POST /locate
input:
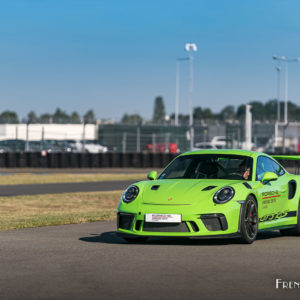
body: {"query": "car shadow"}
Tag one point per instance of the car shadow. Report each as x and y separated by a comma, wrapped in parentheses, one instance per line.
(111, 237)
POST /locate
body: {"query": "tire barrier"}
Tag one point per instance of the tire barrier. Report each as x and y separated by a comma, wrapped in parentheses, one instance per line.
(84, 160)
(100, 160)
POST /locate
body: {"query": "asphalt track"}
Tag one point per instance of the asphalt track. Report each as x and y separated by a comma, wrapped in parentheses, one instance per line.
(57, 188)
(89, 261)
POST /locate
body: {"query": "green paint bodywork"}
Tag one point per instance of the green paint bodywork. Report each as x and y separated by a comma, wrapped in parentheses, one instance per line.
(185, 197)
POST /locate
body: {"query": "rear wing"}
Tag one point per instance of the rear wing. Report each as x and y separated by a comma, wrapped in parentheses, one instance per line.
(289, 157)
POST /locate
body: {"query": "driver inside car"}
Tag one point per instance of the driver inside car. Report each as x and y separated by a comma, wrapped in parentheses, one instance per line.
(244, 170)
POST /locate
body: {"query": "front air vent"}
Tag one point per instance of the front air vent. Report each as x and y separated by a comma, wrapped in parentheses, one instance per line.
(208, 188)
(214, 222)
(165, 227)
(138, 225)
(124, 220)
(194, 226)
(155, 187)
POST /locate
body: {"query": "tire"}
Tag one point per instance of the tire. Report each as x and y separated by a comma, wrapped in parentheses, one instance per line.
(294, 231)
(135, 240)
(249, 221)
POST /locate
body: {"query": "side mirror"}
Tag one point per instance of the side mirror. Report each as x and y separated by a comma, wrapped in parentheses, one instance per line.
(152, 175)
(269, 176)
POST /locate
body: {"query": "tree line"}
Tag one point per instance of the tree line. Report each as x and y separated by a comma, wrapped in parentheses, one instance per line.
(263, 112)
(58, 117)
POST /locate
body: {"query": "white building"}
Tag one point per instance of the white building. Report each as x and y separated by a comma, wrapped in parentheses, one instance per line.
(38, 132)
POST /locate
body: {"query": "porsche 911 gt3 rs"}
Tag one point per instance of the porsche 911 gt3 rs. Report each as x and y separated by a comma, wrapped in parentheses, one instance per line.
(212, 193)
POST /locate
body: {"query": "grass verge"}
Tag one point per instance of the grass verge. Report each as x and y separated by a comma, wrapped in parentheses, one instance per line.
(57, 209)
(27, 178)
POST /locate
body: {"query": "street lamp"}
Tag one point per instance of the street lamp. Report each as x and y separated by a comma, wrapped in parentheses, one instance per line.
(191, 48)
(178, 60)
(284, 59)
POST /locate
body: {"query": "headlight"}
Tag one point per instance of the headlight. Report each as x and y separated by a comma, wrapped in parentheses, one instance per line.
(224, 195)
(130, 194)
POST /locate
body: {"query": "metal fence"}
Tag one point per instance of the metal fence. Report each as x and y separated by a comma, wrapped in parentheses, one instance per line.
(148, 138)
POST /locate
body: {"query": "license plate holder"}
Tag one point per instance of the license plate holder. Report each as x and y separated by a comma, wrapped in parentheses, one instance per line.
(163, 218)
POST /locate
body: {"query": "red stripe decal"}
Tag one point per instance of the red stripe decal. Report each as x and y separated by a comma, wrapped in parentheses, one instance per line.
(271, 197)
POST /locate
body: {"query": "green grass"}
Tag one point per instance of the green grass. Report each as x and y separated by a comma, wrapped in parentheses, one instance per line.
(27, 178)
(57, 209)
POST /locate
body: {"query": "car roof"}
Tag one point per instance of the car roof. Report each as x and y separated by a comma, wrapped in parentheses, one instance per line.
(226, 151)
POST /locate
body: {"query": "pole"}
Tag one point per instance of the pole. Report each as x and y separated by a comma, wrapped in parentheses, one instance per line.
(124, 142)
(248, 127)
(83, 138)
(27, 137)
(191, 99)
(177, 91)
(153, 142)
(286, 94)
(138, 140)
(43, 138)
(278, 69)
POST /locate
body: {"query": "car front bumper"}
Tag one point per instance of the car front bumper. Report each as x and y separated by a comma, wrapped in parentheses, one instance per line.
(204, 224)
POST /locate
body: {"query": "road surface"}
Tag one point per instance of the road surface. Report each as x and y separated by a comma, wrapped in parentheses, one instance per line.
(89, 261)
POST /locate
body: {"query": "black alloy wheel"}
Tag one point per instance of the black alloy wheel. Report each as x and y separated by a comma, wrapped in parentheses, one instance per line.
(249, 223)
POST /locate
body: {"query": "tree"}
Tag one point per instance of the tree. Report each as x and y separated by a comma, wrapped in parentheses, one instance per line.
(208, 114)
(159, 110)
(75, 118)
(258, 111)
(89, 117)
(227, 113)
(60, 117)
(198, 114)
(271, 110)
(132, 119)
(9, 117)
(240, 113)
(32, 118)
(46, 119)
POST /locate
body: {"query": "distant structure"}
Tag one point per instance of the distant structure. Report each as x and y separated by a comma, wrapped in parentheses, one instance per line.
(37, 132)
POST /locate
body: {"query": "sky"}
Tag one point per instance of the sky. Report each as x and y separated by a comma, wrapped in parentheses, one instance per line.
(116, 56)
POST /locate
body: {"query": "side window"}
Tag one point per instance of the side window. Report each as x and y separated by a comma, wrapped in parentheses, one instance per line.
(277, 168)
(264, 165)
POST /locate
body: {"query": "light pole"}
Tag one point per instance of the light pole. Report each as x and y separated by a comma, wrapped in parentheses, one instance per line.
(191, 48)
(178, 60)
(286, 91)
(278, 69)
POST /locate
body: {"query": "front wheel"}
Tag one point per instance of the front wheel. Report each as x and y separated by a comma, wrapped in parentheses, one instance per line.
(249, 222)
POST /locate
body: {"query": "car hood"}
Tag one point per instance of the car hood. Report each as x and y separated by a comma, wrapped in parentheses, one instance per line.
(181, 191)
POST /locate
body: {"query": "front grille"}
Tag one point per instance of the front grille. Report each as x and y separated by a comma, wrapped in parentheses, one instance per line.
(124, 221)
(214, 222)
(165, 227)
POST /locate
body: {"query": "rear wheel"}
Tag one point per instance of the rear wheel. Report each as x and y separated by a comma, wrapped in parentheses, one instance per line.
(249, 222)
(294, 231)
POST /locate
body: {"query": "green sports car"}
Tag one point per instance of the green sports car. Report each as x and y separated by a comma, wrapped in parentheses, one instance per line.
(210, 194)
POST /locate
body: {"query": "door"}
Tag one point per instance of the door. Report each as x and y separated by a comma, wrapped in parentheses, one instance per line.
(273, 195)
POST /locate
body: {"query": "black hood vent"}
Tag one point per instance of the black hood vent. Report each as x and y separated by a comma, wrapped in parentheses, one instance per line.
(247, 185)
(208, 188)
(155, 187)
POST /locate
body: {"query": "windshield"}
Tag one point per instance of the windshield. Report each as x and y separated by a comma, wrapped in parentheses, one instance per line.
(209, 166)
